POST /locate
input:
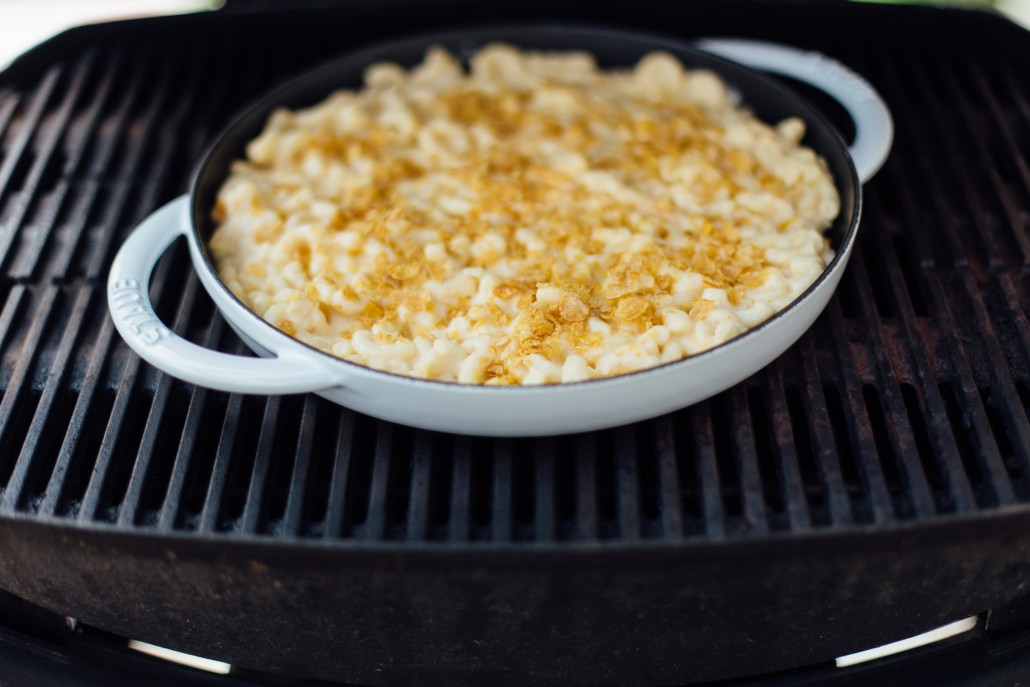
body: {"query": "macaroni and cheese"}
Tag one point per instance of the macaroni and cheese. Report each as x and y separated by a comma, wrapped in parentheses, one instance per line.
(533, 220)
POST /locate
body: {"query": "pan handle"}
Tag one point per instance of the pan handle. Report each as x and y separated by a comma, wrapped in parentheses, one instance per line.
(128, 298)
(874, 128)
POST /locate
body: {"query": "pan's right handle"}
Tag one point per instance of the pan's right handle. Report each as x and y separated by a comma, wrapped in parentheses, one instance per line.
(128, 297)
(874, 128)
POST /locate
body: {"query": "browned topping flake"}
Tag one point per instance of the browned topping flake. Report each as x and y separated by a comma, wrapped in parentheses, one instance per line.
(584, 199)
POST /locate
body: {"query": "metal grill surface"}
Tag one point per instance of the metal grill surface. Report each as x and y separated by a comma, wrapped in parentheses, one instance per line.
(907, 401)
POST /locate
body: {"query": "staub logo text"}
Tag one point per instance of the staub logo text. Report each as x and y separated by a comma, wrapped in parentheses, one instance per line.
(132, 308)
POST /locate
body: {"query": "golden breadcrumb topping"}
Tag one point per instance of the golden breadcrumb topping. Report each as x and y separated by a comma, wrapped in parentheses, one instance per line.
(535, 220)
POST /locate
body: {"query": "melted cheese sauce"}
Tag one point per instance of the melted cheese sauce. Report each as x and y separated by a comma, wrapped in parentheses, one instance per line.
(536, 220)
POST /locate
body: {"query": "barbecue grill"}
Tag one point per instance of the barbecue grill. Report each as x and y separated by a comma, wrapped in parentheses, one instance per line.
(871, 484)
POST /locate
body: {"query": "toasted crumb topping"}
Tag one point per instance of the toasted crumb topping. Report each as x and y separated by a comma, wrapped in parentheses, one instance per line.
(536, 220)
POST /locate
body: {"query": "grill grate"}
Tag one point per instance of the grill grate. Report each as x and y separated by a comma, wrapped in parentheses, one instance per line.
(908, 400)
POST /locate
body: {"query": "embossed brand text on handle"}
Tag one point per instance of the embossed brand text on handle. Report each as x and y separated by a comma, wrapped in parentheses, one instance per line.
(133, 309)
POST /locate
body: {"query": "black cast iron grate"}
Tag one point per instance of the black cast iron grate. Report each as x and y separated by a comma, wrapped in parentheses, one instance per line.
(908, 400)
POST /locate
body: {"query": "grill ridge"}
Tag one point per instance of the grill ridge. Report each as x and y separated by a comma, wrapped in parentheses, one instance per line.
(18, 394)
(172, 500)
(932, 408)
(18, 154)
(712, 513)
(216, 486)
(156, 419)
(41, 188)
(670, 507)
(1011, 87)
(383, 456)
(906, 401)
(959, 357)
(27, 461)
(419, 516)
(305, 438)
(793, 490)
(263, 456)
(825, 452)
(993, 165)
(341, 468)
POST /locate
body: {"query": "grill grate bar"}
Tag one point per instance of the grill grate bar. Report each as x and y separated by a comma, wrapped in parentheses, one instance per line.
(942, 434)
(786, 452)
(898, 424)
(959, 360)
(81, 197)
(713, 515)
(71, 209)
(1018, 349)
(156, 418)
(627, 484)
(95, 264)
(112, 433)
(37, 186)
(1018, 222)
(545, 515)
(981, 146)
(210, 512)
(18, 393)
(670, 504)
(15, 152)
(1020, 326)
(203, 118)
(586, 508)
(9, 101)
(745, 453)
(251, 520)
(9, 316)
(294, 515)
(104, 135)
(908, 440)
(824, 448)
(193, 122)
(1023, 106)
(27, 458)
(502, 501)
(997, 362)
(860, 429)
(956, 491)
(172, 501)
(974, 416)
(460, 511)
(945, 133)
(907, 178)
(376, 518)
(76, 426)
(150, 119)
(419, 498)
(133, 157)
(341, 470)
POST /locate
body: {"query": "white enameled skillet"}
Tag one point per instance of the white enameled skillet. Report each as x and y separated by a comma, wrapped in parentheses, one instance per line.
(289, 366)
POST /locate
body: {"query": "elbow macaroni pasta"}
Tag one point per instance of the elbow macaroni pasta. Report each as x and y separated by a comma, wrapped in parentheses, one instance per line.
(535, 220)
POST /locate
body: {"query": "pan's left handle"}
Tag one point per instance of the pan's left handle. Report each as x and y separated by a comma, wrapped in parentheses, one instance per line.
(874, 128)
(128, 298)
